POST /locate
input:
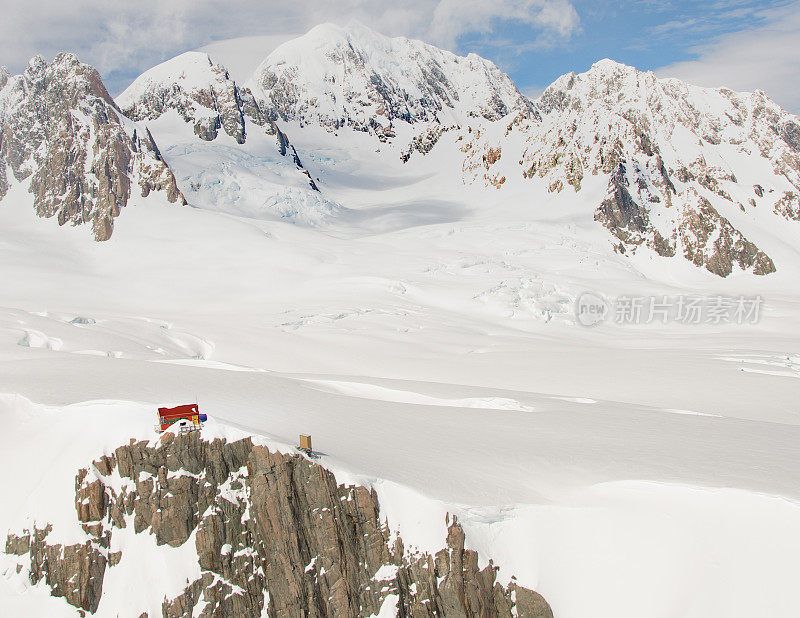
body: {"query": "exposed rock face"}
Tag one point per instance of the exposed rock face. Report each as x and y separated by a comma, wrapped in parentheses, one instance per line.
(628, 220)
(61, 130)
(709, 240)
(788, 206)
(367, 81)
(481, 157)
(155, 174)
(74, 572)
(424, 142)
(3, 174)
(4, 76)
(269, 529)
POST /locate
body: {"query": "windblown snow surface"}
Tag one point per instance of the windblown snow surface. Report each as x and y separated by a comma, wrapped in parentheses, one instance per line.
(425, 335)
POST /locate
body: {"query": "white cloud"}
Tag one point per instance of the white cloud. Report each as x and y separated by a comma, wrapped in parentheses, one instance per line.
(111, 36)
(453, 18)
(126, 38)
(764, 58)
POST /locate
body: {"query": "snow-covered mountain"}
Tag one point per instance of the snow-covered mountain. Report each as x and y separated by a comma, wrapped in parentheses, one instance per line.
(424, 321)
(352, 76)
(710, 175)
(62, 135)
(234, 158)
(202, 93)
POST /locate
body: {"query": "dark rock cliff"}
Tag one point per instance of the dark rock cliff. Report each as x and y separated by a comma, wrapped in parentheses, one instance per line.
(269, 529)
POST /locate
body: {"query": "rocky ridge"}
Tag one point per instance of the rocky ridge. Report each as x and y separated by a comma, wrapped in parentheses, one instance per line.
(673, 156)
(274, 535)
(354, 77)
(677, 162)
(62, 133)
(204, 95)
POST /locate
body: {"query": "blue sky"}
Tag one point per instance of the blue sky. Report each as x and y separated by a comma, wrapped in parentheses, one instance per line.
(742, 44)
(647, 34)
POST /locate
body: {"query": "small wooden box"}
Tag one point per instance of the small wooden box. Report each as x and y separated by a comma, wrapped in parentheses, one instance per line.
(305, 443)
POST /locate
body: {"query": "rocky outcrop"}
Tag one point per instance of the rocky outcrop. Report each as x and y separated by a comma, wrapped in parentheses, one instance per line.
(710, 241)
(707, 239)
(4, 76)
(155, 174)
(424, 142)
(788, 206)
(274, 534)
(628, 217)
(3, 174)
(451, 584)
(629, 220)
(479, 164)
(74, 572)
(790, 133)
(61, 131)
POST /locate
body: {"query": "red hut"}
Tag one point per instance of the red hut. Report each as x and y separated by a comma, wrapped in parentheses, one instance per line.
(188, 417)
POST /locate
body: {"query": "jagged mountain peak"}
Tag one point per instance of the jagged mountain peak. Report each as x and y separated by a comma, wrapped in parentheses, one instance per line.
(353, 76)
(607, 83)
(37, 62)
(202, 93)
(359, 34)
(612, 94)
(604, 70)
(65, 66)
(616, 85)
(62, 135)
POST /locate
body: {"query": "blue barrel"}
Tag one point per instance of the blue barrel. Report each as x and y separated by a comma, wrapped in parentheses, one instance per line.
(203, 418)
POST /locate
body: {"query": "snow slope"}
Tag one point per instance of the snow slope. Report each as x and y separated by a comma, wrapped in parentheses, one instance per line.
(424, 332)
(251, 180)
(632, 505)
